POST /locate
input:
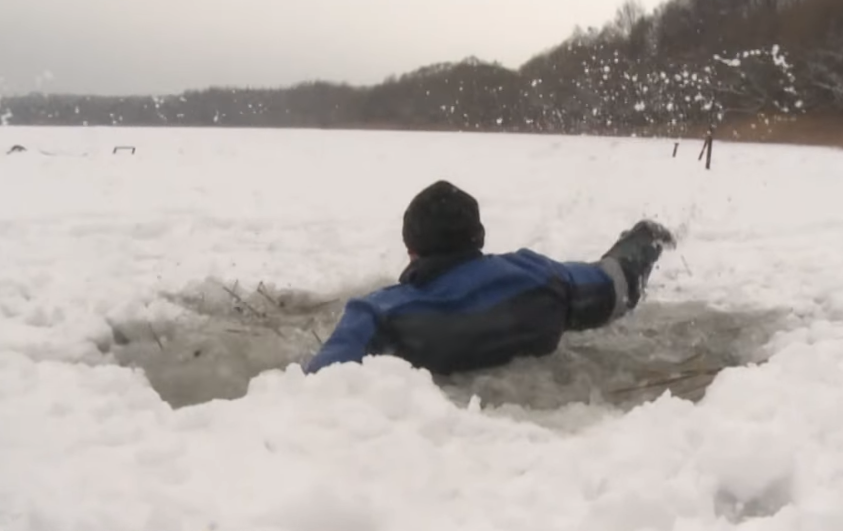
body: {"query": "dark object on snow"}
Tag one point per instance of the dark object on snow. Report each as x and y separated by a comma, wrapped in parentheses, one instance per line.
(708, 146)
(123, 148)
(16, 149)
(456, 309)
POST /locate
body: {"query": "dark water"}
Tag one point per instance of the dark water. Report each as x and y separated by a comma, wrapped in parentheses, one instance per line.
(230, 336)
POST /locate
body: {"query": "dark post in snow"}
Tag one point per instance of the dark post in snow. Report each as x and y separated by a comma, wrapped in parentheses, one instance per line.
(710, 149)
(675, 149)
(707, 147)
(123, 148)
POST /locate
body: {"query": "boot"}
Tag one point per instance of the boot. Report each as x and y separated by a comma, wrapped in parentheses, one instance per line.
(637, 251)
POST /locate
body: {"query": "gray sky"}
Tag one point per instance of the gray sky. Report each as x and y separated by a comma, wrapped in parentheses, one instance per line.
(166, 46)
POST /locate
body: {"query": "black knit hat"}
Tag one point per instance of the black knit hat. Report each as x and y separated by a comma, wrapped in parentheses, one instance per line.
(442, 219)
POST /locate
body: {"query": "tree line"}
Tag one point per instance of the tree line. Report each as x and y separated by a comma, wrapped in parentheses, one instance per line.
(686, 65)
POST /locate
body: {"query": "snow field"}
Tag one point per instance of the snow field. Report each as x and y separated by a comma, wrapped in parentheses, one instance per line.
(89, 237)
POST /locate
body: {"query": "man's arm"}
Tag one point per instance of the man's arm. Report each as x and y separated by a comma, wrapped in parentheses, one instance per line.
(350, 340)
(598, 292)
(606, 290)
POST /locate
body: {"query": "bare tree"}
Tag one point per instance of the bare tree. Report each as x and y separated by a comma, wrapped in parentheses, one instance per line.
(628, 16)
(825, 67)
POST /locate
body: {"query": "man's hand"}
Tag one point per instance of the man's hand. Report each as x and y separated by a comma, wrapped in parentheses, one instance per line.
(637, 251)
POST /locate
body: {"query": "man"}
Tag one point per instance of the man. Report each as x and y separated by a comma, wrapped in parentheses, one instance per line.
(458, 309)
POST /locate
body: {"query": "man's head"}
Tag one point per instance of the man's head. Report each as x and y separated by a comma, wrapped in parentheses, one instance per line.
(442, 219)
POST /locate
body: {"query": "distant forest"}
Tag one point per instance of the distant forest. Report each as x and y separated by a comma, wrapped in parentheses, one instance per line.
(687, 66)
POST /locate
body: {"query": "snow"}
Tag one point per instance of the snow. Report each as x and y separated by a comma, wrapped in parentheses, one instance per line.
(735, 63)
(91, 238)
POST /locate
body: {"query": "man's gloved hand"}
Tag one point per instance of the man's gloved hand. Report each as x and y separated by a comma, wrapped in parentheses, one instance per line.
(637, 251)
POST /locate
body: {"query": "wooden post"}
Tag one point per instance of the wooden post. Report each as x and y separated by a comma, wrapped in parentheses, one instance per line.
(710, 148)
(675, 149)
(707, 147)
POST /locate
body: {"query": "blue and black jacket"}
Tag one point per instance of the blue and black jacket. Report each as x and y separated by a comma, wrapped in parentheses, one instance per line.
(473, 311)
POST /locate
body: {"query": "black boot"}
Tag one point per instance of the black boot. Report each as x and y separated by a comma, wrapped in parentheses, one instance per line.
(636, 252)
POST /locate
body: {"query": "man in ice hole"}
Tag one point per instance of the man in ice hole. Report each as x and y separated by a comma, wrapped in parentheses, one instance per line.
(457, 309)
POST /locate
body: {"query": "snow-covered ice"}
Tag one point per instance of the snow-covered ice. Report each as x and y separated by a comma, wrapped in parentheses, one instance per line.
(93, 241)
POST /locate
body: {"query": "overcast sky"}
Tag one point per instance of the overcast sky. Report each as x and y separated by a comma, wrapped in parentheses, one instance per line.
(167, 46)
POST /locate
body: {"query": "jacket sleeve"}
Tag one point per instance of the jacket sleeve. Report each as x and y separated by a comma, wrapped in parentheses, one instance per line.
(597, 290)
(350, 340)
